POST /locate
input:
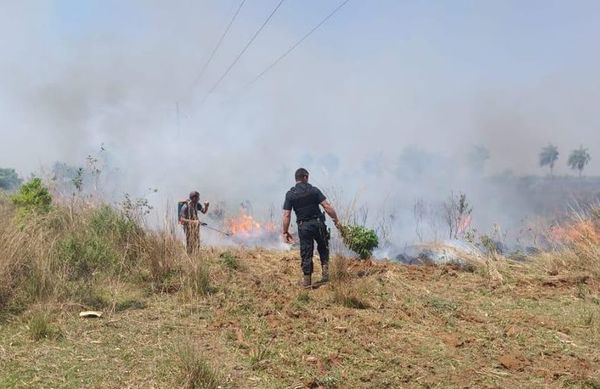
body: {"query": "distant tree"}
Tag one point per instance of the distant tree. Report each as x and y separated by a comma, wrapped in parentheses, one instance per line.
(9, 179)
(578, 159)
(548, 157)
(477, 158)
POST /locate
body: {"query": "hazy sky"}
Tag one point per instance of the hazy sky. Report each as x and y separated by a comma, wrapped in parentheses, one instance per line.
(379, 77)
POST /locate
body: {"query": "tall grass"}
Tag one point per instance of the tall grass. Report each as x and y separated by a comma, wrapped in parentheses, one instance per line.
(577, 246)
(67, 253)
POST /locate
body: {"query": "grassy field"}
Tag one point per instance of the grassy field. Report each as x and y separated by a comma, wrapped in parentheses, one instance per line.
(237, 319)
(383, 326)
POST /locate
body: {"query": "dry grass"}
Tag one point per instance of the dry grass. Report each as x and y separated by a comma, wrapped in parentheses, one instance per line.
(196, 371)
(208, 321)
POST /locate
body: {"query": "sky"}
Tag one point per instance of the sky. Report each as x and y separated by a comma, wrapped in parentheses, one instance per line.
(379, 78)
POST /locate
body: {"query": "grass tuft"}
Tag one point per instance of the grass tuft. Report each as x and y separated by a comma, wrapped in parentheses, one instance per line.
(259, 356)
(195, 371)
(346, 296)
(196, 278)
(130, 304)
(338, 269)
(230, 261)
(40, 327)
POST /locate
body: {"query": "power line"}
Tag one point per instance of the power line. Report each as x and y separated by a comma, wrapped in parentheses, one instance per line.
(218, 45)
(216, 85)
(298, 43)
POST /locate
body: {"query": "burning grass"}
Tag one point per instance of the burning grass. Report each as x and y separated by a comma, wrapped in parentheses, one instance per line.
(577, 247)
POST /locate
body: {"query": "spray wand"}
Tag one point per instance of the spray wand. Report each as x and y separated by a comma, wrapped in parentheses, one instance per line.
(214, 229)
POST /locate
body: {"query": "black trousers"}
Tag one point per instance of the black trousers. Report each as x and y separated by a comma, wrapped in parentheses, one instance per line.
(310, 232)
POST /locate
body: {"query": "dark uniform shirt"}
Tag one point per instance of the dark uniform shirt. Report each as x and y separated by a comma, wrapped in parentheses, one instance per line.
(304, 199)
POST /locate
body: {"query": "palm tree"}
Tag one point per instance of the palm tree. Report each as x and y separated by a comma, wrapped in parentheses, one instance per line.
(548, 156)
(578, 159)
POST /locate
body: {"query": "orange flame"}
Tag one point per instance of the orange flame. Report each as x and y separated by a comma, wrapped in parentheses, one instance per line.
(579, 231)
(245, 224)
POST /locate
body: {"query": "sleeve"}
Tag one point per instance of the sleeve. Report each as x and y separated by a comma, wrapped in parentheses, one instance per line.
(199, 206)
(320, 196)
(287, 204)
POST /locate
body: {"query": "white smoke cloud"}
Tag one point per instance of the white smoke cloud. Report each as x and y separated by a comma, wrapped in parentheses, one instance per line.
(386, 121)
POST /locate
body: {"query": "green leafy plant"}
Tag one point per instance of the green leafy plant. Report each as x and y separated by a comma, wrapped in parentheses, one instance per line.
(360, 239)
(32, 197)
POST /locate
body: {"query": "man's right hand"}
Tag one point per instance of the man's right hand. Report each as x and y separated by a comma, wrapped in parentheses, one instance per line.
(288, 237)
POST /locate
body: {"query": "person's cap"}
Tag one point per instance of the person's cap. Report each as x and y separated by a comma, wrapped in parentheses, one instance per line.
(194, 194)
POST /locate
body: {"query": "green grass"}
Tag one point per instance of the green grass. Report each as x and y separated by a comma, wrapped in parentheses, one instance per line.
(129, 304)
(230, 261)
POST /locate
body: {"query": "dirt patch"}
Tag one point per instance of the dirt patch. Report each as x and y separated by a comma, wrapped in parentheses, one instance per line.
(513, 361)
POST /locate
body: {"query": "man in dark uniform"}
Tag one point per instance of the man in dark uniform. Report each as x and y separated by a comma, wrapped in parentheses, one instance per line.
(305, 199)
(188, 217)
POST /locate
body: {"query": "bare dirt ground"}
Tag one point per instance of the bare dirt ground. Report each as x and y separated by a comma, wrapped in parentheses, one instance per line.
(380, 325)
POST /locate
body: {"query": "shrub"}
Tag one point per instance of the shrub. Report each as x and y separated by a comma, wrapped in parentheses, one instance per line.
(32, 197)
(106, 220)
(84, 254)
(360, 239)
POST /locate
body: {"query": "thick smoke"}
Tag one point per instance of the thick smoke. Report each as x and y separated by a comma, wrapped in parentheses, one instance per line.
(385, 114)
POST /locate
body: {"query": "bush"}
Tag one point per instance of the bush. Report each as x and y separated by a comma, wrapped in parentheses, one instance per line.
(360, 239)
(32, 197)
(106, 220)
(84, 254)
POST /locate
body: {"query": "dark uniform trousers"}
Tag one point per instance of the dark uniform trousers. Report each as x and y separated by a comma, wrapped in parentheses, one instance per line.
(309, 232)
